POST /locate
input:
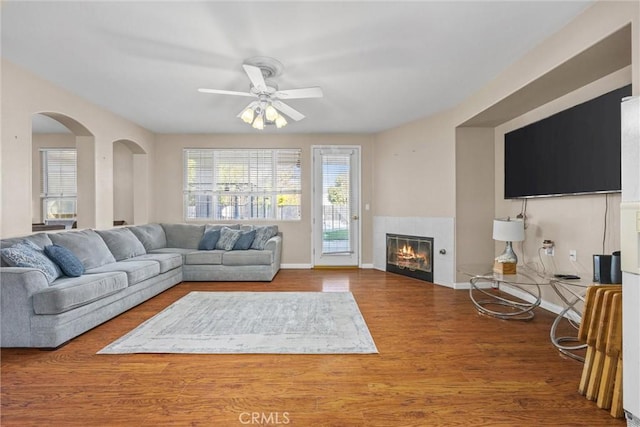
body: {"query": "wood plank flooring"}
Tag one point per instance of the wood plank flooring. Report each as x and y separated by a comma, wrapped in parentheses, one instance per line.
(440, 364)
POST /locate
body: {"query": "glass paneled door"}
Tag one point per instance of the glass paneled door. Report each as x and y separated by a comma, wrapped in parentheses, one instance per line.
(336, 214)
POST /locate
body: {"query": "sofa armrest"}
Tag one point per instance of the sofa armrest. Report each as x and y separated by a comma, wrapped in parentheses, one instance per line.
(274, 245)
(16, 302)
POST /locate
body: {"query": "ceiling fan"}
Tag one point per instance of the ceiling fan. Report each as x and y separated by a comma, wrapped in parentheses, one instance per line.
(268, 107)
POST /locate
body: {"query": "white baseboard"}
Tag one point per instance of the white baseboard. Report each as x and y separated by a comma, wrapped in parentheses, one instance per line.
(549, 306)
(366, 266)
(296, 266)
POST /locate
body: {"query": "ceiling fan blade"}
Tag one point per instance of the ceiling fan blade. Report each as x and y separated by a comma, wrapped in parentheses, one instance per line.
(251, 105)
(284, 108)
(225, 92)
(256, 77)
(308, 92)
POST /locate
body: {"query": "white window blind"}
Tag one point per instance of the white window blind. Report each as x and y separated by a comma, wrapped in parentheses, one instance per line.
(58, 183)
(228, 184)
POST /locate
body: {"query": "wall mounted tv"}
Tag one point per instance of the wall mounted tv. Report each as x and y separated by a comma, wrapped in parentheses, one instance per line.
(576, 151)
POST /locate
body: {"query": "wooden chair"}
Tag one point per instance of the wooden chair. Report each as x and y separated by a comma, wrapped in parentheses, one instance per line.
(601, 344)
(588, 331)
(612, 351)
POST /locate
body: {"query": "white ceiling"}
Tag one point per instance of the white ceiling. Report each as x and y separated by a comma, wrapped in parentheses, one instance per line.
(380, 64)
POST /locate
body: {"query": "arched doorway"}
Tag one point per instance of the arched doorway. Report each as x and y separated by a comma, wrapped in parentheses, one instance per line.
(130, 178)
(55, 131)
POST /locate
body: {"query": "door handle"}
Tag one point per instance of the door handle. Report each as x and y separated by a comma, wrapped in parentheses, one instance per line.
(355, 217)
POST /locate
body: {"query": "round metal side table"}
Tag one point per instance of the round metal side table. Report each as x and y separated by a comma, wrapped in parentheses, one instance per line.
(504, 296)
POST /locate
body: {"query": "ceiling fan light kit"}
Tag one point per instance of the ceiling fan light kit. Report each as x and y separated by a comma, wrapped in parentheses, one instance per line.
(268, 109)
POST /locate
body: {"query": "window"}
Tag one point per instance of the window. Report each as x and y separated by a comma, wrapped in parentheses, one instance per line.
(58, 183)
(227, 184)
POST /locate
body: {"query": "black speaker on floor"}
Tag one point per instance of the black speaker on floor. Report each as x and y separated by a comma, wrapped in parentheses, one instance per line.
(602, 268)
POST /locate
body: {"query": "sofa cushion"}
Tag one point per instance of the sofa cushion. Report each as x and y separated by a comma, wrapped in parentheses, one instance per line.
(166, 261)
(185, 236)
(263, 234)
(228, 238)
(209, 240)
(65, 259)
(40, 239)
(122, 243)
(70, 292)
(249, 257)
(245, 240)
(204, 257)
(28, 254)
(87, 245)
(136, 271)
(150, 235)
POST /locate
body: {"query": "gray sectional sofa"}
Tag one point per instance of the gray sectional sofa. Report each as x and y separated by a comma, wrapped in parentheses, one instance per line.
(123, 267)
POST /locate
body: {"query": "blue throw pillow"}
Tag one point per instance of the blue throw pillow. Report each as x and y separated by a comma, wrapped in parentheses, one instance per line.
(28, 255)
(209, 240)
(245, 240)
(67, 261)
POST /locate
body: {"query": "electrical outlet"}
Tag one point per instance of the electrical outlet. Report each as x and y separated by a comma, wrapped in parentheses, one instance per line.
(550, 251)
(573, 256)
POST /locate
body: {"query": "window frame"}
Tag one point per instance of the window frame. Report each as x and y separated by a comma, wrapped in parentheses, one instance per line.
(46, 195)
(261, 204)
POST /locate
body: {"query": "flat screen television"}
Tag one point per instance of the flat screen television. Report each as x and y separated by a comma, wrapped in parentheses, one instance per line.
(576, 151)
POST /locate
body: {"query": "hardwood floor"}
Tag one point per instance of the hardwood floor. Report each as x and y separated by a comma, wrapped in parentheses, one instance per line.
(439, 363)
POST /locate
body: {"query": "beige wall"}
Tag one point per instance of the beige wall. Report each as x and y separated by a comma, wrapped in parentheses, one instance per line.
(122, 182)
(413, 169)
(23, 95)
(168, 178)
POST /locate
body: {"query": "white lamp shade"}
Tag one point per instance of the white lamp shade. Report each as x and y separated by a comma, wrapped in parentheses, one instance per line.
(507, 230)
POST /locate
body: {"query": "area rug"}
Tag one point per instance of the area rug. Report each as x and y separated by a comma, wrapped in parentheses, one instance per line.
(252, 322)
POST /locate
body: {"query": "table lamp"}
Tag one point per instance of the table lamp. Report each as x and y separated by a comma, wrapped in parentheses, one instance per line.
(507, 230)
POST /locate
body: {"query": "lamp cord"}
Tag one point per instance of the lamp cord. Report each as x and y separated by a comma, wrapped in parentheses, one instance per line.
(606, 210)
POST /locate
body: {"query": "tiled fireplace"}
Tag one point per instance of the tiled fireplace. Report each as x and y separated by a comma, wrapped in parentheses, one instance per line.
(410, 256)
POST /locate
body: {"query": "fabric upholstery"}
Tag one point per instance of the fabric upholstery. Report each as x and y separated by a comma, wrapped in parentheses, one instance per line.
(65, 259)
(245, 240)
(204, 257)
(209, 240)
(69, 293)
(165, 261)
(27, 254)
(263, 234)
(228, 239)
(150, 235)
(185, 236)
(87, 245)
(136, 271)
(250, 257)
(122, 243)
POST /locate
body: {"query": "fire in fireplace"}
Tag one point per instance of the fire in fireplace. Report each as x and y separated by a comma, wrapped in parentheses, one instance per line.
(410, 256)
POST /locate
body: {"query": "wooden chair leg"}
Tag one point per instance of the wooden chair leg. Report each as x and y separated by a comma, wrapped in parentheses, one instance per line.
(612, 353)
(617, 410)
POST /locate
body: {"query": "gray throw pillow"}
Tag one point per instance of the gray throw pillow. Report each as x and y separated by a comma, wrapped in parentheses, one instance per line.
(263, 234)
(245, 240)
(122, 243)
(209, 240)
(228, 238)
(66, 260)
(28, 255)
